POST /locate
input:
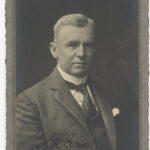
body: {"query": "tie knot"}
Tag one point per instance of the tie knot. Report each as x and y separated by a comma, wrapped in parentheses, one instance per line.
(81, 87)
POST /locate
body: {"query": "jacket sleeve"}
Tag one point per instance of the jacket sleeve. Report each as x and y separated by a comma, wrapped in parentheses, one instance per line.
(29, 131)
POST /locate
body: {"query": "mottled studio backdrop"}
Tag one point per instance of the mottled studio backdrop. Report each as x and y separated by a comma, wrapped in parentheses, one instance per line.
(116, 56)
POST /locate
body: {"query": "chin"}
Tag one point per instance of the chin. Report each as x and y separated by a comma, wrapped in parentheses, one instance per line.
(79, 73)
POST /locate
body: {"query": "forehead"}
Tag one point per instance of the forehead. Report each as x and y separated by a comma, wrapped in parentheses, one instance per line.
(72, 32)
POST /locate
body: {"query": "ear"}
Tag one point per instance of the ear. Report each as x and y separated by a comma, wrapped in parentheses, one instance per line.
(53, 50)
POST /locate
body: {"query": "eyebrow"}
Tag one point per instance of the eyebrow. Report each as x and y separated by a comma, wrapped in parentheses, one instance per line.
(72, 42)
(77, 42)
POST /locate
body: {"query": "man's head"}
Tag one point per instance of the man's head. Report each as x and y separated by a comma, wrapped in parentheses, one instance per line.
(74, 41)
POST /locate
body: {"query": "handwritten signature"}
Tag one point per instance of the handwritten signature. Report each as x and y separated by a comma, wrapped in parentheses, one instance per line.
(68, 142)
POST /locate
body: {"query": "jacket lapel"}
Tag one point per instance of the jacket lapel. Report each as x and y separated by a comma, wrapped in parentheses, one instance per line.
(64, 97)
(106, 112)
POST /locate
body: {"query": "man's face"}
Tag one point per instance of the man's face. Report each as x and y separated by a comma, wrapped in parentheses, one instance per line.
(74, 49)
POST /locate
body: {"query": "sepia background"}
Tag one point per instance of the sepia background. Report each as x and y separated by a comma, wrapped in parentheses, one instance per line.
(116, 57)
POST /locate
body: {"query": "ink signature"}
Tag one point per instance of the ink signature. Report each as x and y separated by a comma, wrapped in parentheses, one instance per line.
(68, 142)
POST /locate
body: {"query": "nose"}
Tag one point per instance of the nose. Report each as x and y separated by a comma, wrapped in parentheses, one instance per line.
(81, 51)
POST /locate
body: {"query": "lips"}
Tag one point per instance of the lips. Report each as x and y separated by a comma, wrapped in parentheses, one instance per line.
(80, 64)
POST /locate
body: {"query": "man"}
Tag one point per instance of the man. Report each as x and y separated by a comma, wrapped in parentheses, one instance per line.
(68, 110)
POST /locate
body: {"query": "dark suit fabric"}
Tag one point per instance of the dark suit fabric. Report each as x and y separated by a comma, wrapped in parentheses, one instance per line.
(47, 117)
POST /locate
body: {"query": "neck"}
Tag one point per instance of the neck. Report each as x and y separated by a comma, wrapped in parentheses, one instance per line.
(70, 78)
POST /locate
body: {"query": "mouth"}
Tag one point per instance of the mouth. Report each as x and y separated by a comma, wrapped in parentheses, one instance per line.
(80, 64)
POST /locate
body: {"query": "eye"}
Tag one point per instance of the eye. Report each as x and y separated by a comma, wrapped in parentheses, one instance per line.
(73, 44)
(89, 45)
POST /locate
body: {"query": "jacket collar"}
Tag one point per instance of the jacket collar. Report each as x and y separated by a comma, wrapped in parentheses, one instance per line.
(56, 81)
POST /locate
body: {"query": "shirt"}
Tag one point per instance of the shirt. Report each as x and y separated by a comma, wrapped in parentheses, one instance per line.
(78, 96)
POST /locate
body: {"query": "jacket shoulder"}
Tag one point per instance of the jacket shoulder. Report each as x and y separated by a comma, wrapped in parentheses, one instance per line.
(101, 84)
(36, 90)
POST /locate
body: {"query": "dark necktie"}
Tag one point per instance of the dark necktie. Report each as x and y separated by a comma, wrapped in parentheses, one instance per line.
(87, 105)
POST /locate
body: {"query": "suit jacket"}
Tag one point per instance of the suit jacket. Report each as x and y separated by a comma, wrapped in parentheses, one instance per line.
(47, 117)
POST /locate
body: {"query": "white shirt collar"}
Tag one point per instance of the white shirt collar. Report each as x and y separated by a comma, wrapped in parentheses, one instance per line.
(70, 78)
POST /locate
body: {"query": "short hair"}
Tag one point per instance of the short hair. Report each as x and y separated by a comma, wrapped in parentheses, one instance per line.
(77, 20)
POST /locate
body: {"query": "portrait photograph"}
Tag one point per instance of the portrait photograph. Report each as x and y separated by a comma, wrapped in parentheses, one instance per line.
(77, 74)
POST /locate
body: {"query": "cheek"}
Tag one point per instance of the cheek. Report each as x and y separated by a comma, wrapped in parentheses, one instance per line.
(70, 55)
(67, 59)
